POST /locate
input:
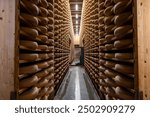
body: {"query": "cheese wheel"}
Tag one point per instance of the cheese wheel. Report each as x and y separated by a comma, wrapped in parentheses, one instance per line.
(50, 83)
(50, 77)
(101, 12)
(102, 89)
(108, 20)
(110, 64)
(109, 46)
(28, 82)
(110, 82)
(28, 32)
(29, 7)
(28, 20)
(123, 18)
(28, 57)
(107, 97)
(50, 91)
(102, 69)
(110, 73)
(109, 29)
(42, 65)
(124, 94)
(109, 55)
(108, 11)
(43, 82)
(42, 74)
(123, 43)
(43, 38)
(41, 29)
(35, 1)
(124, 56)
(29, 44)
(42, 92)
(124, 81)
(120, 7)
(124, 68)
(122, 31)
(108, 3)
(28, 69)
(43, 56)
(29, 94)
(43, 47)
(43, 12)
(43, 20)
(43, 3)
(50, 13)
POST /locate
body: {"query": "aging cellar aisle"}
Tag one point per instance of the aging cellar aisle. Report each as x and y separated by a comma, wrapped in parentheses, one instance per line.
(75, 49)
(76, 86)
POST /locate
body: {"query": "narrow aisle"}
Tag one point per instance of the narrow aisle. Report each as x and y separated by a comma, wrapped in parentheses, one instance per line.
(76, 86)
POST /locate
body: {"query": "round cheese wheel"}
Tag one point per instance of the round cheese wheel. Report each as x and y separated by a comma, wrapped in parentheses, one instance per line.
(29, 94)
(124, 68)
(124, 94)
(28, 69)
(28, 82)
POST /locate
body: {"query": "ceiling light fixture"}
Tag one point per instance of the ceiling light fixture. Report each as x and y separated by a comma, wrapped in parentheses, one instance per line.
(77, 7)
(77, 16)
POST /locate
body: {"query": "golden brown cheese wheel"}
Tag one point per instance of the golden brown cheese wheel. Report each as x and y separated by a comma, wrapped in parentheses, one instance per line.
(110, 82)
(43, 82)
(102, 75)
(43, 56)
(42, 65)
(110, 91)
(123, 18)
(34, 1)
(50, 70)
(50, 13)
(122, 31)
(124, 68)
(28, 82)
(109, 37)
(108, 3)
(124, 94)
(101, 27)
(50, 91)
(110, 64)
(110, 29)
(122, 6)
(28, 69)
(29, 94)
(50, 77)
(43, 12)
(102, 89)
(50, 6)
(108, 20)
(43, 20)
(109, 46)
(124, 81)
(107, 97)
(42, 38)
(43, 3)
(109, 55)
(102, 62)
(43, 47)
(29, 44)
(42, 74)
(102, 69)
(42, 92)
(50, 83)
(28, 57)
(28, 32)
(110, 73)
(41, 29)
(28, 20)
(108, 11)
(123, 43)
(124, 56)
(29, 7)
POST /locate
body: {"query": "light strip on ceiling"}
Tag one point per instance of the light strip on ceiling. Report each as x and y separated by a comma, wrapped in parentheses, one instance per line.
(77, 7)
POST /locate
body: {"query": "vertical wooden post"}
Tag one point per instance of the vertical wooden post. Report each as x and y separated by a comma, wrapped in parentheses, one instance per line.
(143, 21)
(7, 47)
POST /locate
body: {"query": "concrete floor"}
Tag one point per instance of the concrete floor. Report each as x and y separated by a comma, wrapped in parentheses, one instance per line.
(76, 86)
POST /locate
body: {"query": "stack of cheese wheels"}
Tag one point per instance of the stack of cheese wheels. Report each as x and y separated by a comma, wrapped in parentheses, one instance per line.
(63, 36)
(116, 57)
(36, 71)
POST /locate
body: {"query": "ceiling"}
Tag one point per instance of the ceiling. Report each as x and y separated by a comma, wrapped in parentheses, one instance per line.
(75, 12)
